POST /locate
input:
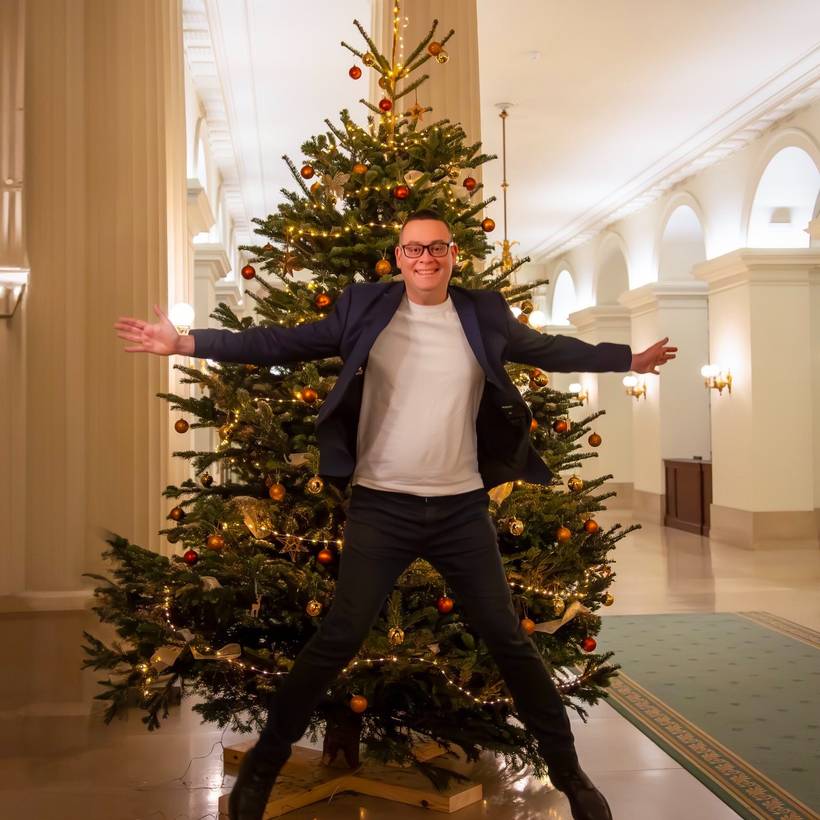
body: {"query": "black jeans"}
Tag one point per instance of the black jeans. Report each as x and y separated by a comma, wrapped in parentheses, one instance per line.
(384, 533)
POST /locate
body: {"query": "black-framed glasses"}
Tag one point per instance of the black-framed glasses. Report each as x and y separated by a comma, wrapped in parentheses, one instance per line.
(439, 248)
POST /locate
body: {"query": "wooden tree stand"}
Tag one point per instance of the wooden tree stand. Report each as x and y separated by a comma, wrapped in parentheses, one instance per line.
(305, 779)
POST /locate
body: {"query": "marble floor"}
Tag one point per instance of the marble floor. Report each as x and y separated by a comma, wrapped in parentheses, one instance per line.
(58, 762)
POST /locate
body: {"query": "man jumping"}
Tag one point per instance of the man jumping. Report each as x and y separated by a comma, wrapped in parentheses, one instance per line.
(422, 421)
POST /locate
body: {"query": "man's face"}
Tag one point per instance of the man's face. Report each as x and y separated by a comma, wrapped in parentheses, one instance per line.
(427, 274)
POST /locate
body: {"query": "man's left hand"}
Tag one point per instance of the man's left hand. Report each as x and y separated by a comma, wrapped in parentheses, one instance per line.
(653, 357)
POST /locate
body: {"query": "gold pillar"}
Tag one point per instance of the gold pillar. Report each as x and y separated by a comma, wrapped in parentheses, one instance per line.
(105, 218)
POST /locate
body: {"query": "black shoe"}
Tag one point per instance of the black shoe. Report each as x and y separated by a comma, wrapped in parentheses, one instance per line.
(585, 801)
(257, 774)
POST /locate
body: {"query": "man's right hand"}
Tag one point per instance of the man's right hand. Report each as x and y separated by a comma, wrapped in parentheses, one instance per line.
(160, 338)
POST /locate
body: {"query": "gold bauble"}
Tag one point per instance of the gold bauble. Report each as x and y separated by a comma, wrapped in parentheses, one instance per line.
(609, 599)
(315, 485)
(359, 168)
(207, 479)
(558, 606)
(562, 535)
(313, 608)
(368, 59)
(215, 542)
(522, 379)
(516, 526)
(527, 306)
(528, 625)
(395, 635)
(383, 267)
(181, 426)
(442, 57)
(575, 483)
(540, 378)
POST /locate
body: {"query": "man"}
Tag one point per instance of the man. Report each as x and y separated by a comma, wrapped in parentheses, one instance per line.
(433, 425)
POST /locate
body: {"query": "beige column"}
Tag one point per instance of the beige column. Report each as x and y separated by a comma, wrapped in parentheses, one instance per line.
(764, 326)
(673, 420)
(453, 89)
(105, 217)
(608, 323)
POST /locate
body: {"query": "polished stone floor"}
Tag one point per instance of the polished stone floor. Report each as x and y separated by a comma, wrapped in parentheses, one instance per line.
(57, 762)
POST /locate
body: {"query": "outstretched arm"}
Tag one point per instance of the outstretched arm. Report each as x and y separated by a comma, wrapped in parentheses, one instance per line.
(562, 354)
(256, 345)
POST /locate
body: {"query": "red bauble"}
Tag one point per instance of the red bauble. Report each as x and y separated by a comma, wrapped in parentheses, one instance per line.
(248, 272)
(385, 105)
(309, 395)
(591, 525)
(401, 192)
(560, 426)
(355, 72)
(470, 183)
(589, 644)
(528, 625)
(445, 605)
(190, 557)
(487, 225)
(358, 703)
(181, 426)
(324, 556)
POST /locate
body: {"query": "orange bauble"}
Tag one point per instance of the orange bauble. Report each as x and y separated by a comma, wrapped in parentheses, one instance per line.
(591, 525)
(322, 300)
(487, 225)
(307, 172)
(277, 491)
(177, 514)
(316, 187)
(533, 426)
(359, 168)
(248, 272)
(355, 72)
(562, 534)
(560, 426)
(215, 542)
(324, 556)
(434, 48)
(181, 426)
(358, 703)
(309, 395)
(383, 267)
(594, 440)
(528, 625)
(444, 604)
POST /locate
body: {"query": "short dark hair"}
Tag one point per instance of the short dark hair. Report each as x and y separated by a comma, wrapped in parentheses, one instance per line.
(426, 214)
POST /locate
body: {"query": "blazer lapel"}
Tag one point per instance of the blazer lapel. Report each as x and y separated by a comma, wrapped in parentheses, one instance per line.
(377, 318)
(469, 322)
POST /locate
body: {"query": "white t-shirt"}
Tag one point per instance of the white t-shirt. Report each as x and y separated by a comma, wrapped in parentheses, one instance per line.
(421, 392)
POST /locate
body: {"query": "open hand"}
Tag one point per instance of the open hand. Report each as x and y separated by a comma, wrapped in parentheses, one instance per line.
(160, 337)
(653, 357)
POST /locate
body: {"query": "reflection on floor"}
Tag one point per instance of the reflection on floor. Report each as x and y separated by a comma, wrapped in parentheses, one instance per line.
(59, 763)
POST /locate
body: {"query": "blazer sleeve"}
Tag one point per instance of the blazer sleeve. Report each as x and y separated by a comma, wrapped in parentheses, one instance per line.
(561, 354)
(276, 345)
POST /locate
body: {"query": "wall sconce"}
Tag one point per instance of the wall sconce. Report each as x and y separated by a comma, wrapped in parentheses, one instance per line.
(13, 282)
(579, 392)
(182, 317)
(538, 319)
(713, 376)
(634, 387)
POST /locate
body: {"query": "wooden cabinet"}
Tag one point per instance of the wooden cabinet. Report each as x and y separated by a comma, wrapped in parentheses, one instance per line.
(688, 494)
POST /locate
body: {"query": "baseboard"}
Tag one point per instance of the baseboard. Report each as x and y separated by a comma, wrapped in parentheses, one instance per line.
(772, 529)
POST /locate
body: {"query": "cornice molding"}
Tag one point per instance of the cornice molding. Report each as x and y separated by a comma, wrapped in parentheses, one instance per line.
(678, 295)
(760, 266)
(200, 40)
(764, 108)
(600, 316)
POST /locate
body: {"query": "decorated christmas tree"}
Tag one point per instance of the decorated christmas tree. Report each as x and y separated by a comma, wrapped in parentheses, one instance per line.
(258, 550)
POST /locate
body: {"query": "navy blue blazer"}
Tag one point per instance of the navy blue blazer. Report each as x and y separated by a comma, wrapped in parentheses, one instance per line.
(360, 314)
